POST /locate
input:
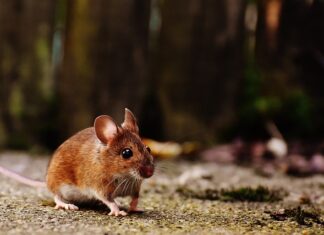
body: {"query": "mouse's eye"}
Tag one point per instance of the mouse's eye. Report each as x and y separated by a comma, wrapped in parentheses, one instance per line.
(148, 149)
(127, 153)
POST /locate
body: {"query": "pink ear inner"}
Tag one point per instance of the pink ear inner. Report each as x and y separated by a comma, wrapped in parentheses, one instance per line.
(105, 128)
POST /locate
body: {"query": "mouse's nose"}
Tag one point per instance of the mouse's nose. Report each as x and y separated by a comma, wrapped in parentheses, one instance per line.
(146, 171)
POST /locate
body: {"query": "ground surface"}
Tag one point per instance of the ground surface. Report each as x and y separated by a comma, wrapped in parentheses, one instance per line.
(168, 210)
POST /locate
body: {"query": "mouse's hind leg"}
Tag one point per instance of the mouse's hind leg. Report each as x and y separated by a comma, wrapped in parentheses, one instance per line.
(61, 204)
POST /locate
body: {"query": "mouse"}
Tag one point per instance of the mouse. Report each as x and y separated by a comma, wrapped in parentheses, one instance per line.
(101, 162)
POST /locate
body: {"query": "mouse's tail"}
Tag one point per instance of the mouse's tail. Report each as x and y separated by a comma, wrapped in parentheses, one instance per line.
(21, 179)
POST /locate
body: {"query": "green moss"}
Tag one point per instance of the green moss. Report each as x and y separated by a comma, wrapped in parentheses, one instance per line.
(259, 194)
(49, 203)
(208, 194)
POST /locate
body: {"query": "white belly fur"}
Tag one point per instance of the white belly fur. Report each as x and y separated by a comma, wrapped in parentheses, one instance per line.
(74, 194)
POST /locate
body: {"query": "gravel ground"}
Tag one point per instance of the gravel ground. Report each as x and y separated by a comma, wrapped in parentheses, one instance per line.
(26, 210)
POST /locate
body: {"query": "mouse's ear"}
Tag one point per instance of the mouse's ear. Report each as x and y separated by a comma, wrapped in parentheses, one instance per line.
(105, 128)
(130, 122)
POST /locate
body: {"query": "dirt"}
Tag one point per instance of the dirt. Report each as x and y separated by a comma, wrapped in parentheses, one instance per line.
(167, 209)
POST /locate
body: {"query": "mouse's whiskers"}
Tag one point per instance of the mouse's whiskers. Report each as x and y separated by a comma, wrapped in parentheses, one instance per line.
(122, 181)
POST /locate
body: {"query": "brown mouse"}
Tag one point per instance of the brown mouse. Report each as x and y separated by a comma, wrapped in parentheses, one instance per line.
(101, 163)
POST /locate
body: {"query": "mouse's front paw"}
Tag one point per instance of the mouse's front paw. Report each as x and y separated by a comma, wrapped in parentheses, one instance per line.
(60, 204)
(66, 207)
(117, 213)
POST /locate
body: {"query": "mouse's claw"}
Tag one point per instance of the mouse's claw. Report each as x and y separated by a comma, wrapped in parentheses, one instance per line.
(67, 207)
(60, 204)
(118, 213)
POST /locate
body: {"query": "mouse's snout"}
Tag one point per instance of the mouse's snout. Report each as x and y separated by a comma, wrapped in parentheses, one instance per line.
(146, 171)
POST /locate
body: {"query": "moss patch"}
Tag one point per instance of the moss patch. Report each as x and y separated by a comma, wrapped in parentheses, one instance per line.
(258, 194)
(208, 194)
(50, 203)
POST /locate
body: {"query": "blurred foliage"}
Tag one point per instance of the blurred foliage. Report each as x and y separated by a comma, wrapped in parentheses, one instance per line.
(273, 88)
(291, 108)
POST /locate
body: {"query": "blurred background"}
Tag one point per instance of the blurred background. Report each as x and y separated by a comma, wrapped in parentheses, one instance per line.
(191, 70)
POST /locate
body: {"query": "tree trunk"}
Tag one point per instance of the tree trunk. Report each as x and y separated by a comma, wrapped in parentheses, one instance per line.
(25, 72)
(104, 67)
(201, 51)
